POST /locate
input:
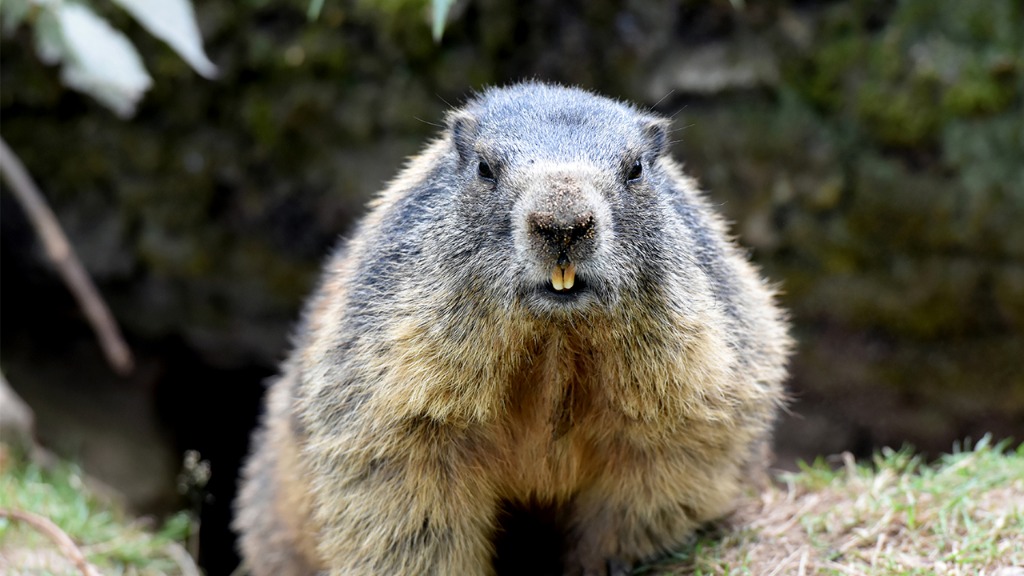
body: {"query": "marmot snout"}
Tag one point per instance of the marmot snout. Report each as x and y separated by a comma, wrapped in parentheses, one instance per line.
(566, 221)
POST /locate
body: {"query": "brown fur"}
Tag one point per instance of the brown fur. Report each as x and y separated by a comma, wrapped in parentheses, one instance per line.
(397, 430)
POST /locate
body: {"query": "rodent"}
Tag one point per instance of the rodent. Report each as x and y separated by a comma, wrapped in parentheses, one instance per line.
(541, 307)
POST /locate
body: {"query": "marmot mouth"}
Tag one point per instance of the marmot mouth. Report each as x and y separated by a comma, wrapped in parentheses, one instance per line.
(564, 283)
(563, 277)
(576, 287)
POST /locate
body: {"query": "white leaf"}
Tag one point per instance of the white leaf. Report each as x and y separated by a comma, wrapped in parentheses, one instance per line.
(174, 22)
(440, 10)
(12, 13)
(100, 61)
(48, 38)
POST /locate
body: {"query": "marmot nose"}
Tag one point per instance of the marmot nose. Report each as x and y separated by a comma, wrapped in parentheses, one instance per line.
(560, 232)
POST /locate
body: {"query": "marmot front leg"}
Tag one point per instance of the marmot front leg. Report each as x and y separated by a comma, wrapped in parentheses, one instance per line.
(637, 513)
(403, 511)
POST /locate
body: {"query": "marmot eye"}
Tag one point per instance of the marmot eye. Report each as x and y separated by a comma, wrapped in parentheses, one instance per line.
(484, 170)
(635, 172)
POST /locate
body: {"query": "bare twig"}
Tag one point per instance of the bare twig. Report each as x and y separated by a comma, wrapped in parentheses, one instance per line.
(63, 256)
(181, 557)
(53, 532)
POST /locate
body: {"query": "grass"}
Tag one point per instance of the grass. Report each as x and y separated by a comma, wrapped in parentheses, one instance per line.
(962, 515)
(110, 541)
(897, 515)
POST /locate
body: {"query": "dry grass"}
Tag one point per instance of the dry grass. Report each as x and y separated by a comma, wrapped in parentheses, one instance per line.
(964, 515)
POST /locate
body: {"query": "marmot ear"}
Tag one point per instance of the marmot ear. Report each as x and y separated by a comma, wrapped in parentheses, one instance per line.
(462, 126)
(656, 132)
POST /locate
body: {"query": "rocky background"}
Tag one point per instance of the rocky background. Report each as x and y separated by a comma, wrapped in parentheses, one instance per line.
(870, 154)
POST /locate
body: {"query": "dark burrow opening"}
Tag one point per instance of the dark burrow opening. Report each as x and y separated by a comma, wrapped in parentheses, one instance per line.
(530, 540)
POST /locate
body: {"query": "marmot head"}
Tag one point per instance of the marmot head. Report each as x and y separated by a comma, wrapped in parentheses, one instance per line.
(566, 195)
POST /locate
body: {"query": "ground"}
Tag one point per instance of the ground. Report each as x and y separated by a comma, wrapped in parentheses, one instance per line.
(896, 515)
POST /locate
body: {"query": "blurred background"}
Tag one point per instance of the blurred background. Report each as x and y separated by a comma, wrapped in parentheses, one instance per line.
(869, 153)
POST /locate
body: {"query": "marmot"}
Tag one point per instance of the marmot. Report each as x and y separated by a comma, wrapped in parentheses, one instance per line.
(540, 308)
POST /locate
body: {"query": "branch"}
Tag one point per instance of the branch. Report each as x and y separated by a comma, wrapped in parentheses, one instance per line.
(63, 257)
(182, 558)
(53, 532)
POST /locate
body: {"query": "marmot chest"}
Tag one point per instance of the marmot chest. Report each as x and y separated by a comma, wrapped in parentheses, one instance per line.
(547, 436)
